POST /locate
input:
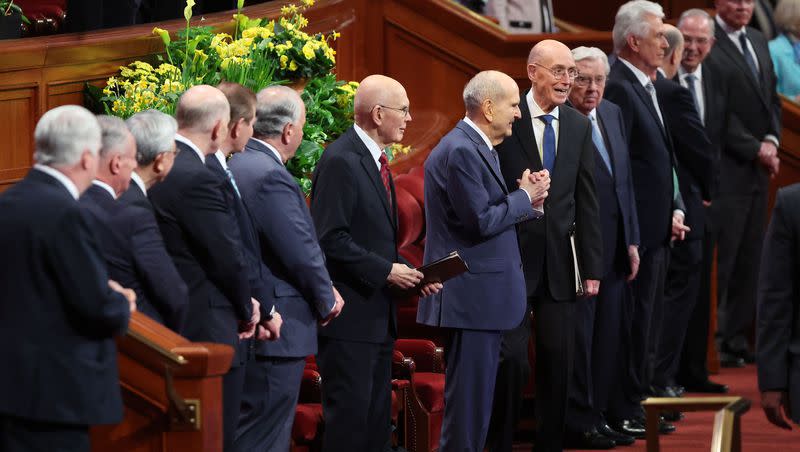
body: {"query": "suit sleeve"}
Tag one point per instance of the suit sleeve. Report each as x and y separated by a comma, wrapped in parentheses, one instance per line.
(478, 213)
(616, 93)
(332, 207)
(156, 270)
(634, 217)
(279, 211)
(776, 292)
(217, 238)
(692, 146)
(82, 277)
(588, 236)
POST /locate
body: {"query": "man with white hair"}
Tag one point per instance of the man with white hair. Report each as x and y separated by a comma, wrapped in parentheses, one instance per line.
(161, 292)
(640, 45)
(204, 239)
(600, 321)
(59, 311)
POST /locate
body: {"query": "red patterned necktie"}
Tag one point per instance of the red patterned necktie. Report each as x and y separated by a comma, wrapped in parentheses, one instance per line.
(386, 177)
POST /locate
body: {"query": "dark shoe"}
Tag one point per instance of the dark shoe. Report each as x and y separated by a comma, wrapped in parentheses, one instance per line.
(665, 427)
(708, 386)
(678, 390)
(663, 392)
(589, 439)
(730, 360)
(619, 438)
(671, 416)
(631, 427)
(748, 356)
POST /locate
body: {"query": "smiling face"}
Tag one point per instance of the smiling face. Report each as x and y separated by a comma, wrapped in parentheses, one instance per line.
(504, 110)
(589, 86)
(736, 13)
(549, 90)
(698, 40)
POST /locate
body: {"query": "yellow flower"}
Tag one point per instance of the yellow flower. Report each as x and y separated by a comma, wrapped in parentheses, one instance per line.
(284, 59)
(293, 65)
(302, 22)
(118, 106)
(164, 35)
(187, 12)
(336, 35)
(308, 51)
(288, 9)
(308, 2)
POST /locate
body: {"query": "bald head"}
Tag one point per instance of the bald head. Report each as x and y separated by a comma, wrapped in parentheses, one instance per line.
(546, 51)
(674, 51)
(491, 99)
(551, 70)
(381, 109)
(200, 107)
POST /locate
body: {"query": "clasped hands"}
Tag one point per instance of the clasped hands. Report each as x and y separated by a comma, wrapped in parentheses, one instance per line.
(405, 277)
(536, 185)
(768, 155)
(266, 330)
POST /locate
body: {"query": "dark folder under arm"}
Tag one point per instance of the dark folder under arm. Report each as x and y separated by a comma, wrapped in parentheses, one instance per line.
(440, 271)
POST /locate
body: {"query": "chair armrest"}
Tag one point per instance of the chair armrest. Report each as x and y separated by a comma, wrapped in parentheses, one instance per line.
(310, 387)
(426, 355)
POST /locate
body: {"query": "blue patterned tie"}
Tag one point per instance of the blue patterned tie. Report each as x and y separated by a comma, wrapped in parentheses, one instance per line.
(233, 181)
(549, 143)
(597, 137)
(690, 79)
(748, 57)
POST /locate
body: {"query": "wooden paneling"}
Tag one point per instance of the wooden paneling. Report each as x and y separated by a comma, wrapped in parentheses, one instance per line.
(599, 14)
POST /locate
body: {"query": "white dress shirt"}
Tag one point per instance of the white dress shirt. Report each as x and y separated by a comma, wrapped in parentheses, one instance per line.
(698, 88)
(105, 187)
(188, 142)
(538, 124)
(644, 79)
(371, 145)
(137, 179)
(733, 35)
(61, 177)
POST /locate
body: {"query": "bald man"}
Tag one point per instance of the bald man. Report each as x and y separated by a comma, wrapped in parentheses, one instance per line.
(557, 138)
(471, 210)
(204, 240)
(354, 210)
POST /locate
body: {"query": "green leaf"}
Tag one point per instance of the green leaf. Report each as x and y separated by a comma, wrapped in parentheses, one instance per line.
(239, 4)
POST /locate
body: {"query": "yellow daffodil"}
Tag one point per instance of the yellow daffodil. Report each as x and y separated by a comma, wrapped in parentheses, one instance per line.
(293, 66)
(308, 2)
(308, 51)
(187, 11)
(164, 35)
(283, 60)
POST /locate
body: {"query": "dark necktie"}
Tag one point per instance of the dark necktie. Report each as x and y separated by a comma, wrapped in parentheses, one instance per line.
(548, 143)
(748, 57)
(386, 177)
(690, 79)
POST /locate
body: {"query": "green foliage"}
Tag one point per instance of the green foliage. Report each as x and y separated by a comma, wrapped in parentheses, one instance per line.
(7, 8)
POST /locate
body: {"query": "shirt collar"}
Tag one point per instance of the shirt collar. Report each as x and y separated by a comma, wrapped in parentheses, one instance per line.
(593, 114)
(371, 145)
(221, 157)
(105, 187)
(727, 28)
(698, 72)
(137, 179)
(480, 132)
(188, 142)
(536, 110)
(271, 148)
(61, 177)
(641, 76)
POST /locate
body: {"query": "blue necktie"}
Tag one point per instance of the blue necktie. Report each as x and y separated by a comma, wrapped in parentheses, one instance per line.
(748, 57)
(549, 143)
(690, 79)
(233, 181)
(597, 137)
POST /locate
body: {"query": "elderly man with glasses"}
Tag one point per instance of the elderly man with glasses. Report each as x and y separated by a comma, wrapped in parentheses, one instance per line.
(557, 138)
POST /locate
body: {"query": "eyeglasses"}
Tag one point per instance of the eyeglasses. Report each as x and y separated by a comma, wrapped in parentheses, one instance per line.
(698, 41)
(561, 71)
(404, 110)
(584, 80)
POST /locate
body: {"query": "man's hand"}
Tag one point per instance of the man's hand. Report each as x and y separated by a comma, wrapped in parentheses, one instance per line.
(431, 288)
(633, 256)
(775, 405)
(129, 294)
(247, 330)
(536, 185)
(337, 308)
(774, 166)
(679, 229)
(270, 330)
(590, 287)
(403, 276)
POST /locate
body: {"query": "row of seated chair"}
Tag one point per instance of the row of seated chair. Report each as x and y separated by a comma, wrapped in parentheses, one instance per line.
(46, 16)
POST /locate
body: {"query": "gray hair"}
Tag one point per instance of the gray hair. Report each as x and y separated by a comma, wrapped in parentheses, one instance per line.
(114, 133)
(674, 38)
(697, 12)
(64, 133)
(154, 132)
(481, 87)
(787, 16)
(630, 20)
(591, 53)
(276, 106)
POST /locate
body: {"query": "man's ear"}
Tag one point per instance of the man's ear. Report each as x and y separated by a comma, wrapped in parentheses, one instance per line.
(236, 130)
(216, 131)
(88, 160)
(633, 42)
(531, 71)
(158, 163)
(114, 164)
(288, 131)
(488, 109)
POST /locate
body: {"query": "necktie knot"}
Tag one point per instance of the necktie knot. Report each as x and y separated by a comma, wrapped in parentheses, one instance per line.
(649, 87)
(383, 159)
(386, 177)
(690, 79)
(547, 119)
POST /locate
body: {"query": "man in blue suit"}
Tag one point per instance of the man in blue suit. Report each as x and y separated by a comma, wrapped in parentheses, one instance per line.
(161, 292)
(59, 311)
(600, 320)
(470, 209)
(303, 292)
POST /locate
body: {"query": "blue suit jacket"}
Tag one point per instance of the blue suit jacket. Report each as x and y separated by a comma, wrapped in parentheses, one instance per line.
(288, 247)
(57, 314)
(615, 192)
(468, 209)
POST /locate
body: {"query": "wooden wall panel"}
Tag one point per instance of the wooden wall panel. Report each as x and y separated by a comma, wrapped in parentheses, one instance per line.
(18, 108)
(599, 14)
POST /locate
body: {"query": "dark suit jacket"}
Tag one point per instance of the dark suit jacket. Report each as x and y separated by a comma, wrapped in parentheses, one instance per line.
(289, 248)
(135, 196)
(57, 315)
(571, 200)
(754, 111)
(469, 209)
(615, 194)
(358, 234)
(205, 244)
(693, 151)
(651, 155)
(778, 325)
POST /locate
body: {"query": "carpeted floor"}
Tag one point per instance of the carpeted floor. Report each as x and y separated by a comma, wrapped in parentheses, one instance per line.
(694, 431)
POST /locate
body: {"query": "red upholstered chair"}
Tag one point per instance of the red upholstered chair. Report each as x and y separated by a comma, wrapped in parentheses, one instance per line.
(425, 401)
(307, 428)
(46, 16)
(414, 184)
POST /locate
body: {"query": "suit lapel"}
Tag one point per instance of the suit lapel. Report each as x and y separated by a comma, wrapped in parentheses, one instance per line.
(524, 133)
(641, 92)
(484, 152)
(726, 46)
(372, 172)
